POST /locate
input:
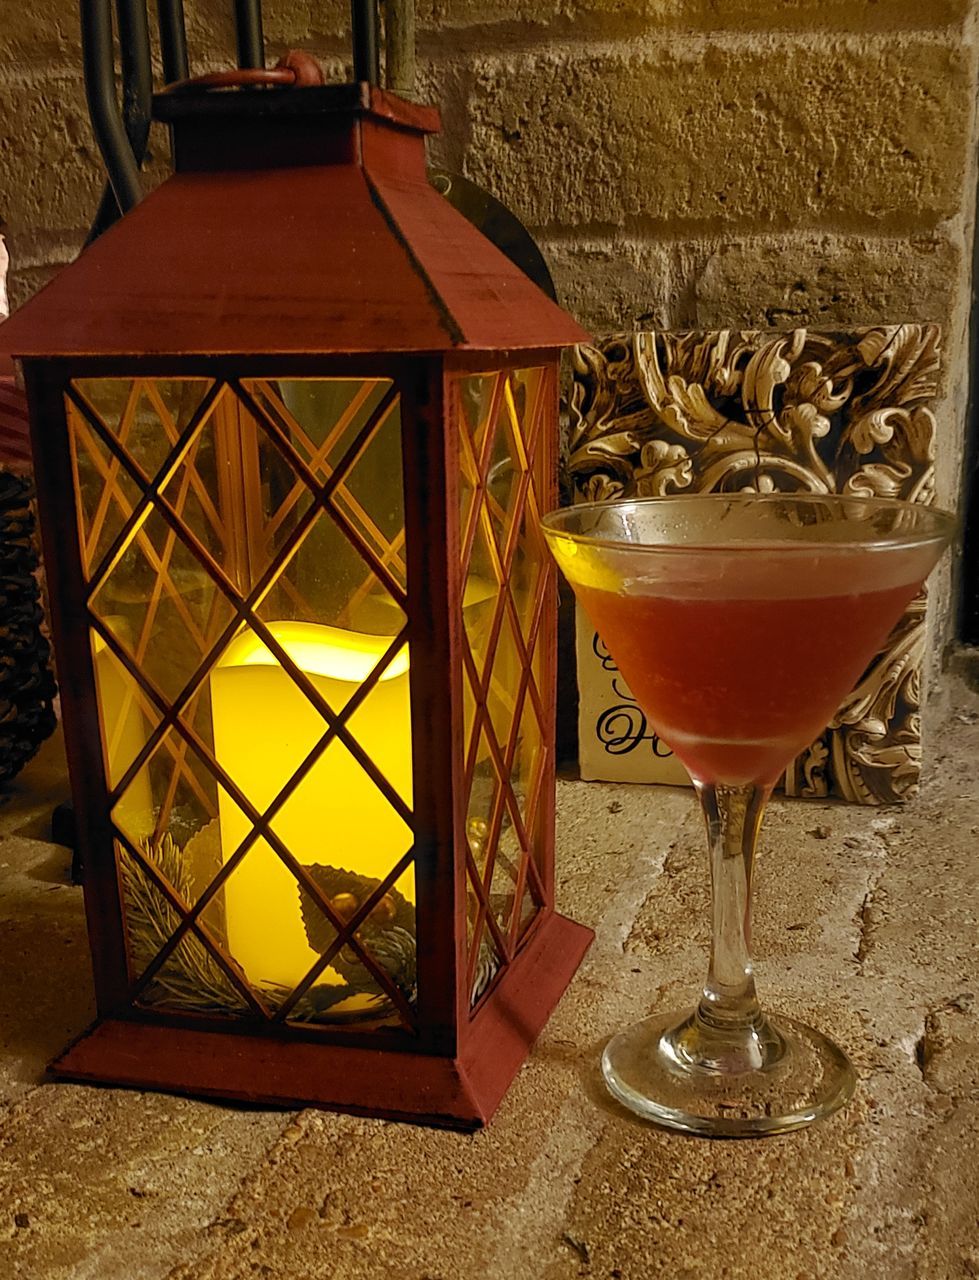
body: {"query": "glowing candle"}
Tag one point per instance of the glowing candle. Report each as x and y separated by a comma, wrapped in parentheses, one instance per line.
(264, 728)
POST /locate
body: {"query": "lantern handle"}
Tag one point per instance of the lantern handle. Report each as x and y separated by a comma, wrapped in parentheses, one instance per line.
(295, 68)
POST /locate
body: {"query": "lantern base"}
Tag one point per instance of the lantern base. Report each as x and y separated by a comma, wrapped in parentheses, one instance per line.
(454, 1093)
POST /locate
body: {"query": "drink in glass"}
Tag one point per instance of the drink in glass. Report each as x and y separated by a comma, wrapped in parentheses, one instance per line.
(740, 623)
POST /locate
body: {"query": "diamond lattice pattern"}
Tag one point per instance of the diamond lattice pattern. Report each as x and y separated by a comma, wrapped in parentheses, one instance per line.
(243, 546)
(498, 419)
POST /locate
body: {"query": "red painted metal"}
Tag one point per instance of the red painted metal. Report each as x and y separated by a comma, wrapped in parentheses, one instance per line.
(350, 250)
(79, 702)
(343, 263)
(461, 1091)
(436, 714)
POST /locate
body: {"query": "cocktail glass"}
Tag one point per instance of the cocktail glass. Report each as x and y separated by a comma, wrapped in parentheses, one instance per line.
(740, 623)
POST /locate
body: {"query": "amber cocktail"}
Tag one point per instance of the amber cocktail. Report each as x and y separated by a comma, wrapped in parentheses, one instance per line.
(740, 623)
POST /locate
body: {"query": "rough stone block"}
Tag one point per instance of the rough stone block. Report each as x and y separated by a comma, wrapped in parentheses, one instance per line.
(296, 21)
(47, 30)
(114, 1168)
(772, 135)
(210, 31)
(24, 282)
(45, 1004)
(32, 35)
(947, 1051)
(617, 17)
(825, 280)
(50, 166)
(612, 286)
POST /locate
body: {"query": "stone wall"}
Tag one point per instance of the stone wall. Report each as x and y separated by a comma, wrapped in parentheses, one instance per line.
(682, 162)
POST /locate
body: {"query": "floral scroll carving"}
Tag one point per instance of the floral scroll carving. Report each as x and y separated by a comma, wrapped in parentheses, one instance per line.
(657, 413)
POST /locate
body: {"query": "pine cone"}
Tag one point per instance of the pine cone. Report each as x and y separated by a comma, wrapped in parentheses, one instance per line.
(388, 936)
(27, 686)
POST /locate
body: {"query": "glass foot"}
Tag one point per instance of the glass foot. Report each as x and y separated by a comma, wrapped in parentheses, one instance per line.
(682, 1073)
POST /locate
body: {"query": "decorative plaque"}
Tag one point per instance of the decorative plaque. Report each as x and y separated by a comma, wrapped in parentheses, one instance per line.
(798, 411)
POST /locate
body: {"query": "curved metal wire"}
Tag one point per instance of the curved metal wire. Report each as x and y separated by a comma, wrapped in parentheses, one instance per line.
(248, 31)
(100, 89)
(173, 40)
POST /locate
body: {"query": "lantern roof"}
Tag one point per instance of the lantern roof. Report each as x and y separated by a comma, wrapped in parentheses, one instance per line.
(299, 221)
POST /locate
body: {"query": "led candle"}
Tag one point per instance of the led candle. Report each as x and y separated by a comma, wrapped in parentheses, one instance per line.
(264, 728)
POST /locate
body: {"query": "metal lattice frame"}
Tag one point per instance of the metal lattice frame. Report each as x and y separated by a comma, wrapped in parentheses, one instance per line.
(173, 713)
(523, 502)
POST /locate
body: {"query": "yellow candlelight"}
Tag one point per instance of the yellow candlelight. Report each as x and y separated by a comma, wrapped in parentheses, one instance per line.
(264, 728)
(124, 733)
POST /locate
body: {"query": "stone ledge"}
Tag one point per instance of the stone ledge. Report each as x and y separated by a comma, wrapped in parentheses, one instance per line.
(865, 924)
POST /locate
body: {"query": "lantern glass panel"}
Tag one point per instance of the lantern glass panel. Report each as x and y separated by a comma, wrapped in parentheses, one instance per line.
(107, 495)
(146, 417)
(498, 419)
(244, 548)
(195, 974)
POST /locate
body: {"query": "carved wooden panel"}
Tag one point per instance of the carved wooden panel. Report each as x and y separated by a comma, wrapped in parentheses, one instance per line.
(798, 411)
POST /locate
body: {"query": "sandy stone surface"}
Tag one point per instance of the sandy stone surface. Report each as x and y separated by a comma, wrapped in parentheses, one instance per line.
(866, 923)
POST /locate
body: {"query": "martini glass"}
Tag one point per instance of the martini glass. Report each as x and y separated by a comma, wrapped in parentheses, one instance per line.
(740, 623)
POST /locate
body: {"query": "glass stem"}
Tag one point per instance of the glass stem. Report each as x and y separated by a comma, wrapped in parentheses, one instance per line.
(728, 1012)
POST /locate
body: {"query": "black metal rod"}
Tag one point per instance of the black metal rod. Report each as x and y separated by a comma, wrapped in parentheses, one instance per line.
(248, 30)
(137, 73)
(173, 40)
(367, 50)
(100, 90)
(137, 98)
(105, 215)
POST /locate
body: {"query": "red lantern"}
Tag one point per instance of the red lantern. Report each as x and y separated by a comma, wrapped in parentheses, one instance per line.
(294, 420)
